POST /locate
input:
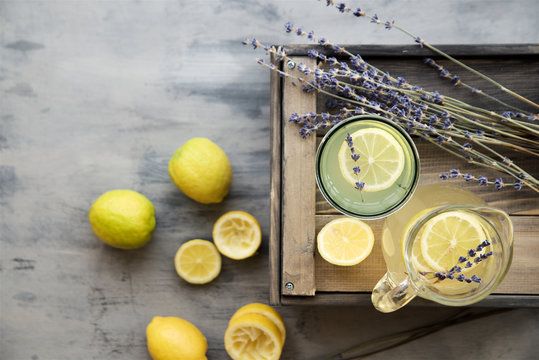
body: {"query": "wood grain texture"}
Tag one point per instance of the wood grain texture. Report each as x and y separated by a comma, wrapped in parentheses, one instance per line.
(275, 187)
(298, 194)
(415, 51)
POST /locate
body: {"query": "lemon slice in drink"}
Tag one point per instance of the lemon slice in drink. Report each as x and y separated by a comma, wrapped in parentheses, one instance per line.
(417, 257)
(345, 241)
(265, 310)
(381, 159)
(237, 235)
(198, 261)
(253, 336)
(448, 236)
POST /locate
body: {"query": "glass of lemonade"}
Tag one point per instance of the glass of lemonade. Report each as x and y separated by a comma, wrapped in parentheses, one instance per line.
(388, 167)
(427, 247)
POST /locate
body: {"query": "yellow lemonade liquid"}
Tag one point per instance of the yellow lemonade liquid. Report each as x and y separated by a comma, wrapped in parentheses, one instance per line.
(425, 199)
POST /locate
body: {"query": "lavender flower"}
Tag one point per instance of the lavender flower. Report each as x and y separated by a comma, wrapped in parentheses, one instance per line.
(473, 257)
(421, 112)
(359, 13)
(359, 185)
(389, 25)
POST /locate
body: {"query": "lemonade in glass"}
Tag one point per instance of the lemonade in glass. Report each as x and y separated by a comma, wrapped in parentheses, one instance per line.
(367, 167)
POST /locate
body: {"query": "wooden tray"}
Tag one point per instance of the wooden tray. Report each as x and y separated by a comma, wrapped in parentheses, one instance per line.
(298, 275)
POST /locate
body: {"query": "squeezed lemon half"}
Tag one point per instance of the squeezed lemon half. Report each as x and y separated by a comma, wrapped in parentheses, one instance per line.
(237, 235)
(252, 337)
(265, 310)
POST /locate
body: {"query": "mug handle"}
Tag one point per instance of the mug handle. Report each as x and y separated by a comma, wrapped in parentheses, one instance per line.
(388, 296)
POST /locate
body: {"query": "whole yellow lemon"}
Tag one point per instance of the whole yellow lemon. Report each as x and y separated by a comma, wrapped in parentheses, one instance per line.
(123, 219)
(172, 338)
(201, 170)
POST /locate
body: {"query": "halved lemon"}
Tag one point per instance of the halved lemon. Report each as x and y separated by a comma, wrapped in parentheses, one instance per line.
(253, 337)
(265, 310)
(237, 235)
(345, 241)
(198, 261)
(448, 236)
(381, 159)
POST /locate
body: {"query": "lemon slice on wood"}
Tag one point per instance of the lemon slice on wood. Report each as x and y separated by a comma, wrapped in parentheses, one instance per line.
(345, 241)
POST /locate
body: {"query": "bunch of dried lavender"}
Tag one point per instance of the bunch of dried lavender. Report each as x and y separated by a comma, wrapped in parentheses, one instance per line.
(463, 130)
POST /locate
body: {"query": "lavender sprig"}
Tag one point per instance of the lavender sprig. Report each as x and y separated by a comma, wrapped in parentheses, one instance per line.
(473, 257)
(436, 118)
(359, 185)
(422, 43)
(457, 81)
(481, 180)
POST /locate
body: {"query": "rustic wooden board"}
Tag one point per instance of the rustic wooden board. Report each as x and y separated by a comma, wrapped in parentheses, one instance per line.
(328, 284)
(298, 182)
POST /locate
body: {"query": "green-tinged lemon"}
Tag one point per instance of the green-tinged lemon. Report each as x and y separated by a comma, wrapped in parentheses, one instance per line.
(172, 338)
(381, 159)
(123, 219)
(201, 170)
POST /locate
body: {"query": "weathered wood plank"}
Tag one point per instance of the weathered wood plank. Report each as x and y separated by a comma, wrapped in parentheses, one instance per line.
(514, 72)
(298, 195)
(521, 278)
(364, 299)
(414, 50)
(275, 188)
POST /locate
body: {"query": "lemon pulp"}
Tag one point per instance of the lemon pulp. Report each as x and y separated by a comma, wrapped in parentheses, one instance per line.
(198, 261)
(381, 159)
(448, 236)
(265, 310)
(345, 241)
(253, 337)
(237, 235)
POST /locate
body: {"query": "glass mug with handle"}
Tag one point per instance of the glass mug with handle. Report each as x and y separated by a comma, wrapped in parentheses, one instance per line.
(452, 254)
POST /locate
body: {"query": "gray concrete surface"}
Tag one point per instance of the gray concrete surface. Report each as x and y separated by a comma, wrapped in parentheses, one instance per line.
(97, 95)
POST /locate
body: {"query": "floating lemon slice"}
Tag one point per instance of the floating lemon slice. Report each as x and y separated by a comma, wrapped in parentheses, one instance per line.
(253, 337)
(198, 261)
(381, 159)
(265, 310)
(237, 235)
(448, 236)
(345, 241)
